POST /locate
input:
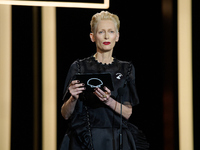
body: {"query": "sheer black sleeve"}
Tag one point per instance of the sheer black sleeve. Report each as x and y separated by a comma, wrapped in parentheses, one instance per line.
(72, 71)
(131, 96)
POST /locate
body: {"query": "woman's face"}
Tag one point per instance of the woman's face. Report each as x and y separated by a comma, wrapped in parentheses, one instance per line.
(106, 35)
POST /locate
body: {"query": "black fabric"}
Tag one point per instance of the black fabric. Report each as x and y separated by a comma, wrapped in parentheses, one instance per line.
(93, 125)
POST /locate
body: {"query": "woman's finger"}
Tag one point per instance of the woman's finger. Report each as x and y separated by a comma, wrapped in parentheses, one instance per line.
(75, 86)
(100, 91)
(78, 85)
(74, 82)
(101, 95)
(74, 90)
(77, 92)
(107, 90)
(98, 95)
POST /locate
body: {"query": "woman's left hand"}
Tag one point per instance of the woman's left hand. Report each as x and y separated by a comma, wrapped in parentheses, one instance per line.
(103, 96)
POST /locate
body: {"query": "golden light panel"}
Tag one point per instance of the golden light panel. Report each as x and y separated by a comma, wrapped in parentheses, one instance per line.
(185, 94)
(104, 5)
(5, 76)
(49, 84)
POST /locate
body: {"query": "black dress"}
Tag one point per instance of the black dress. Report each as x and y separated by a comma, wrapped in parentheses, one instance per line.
(95, 126)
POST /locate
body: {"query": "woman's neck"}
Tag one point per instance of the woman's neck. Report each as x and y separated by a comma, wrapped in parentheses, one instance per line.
(104, 57)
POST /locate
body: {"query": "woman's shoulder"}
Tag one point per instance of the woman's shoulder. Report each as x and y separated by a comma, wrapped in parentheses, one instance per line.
(123, 62)
(86, 59)
(126, 64)
(83, 60)
(127, 67)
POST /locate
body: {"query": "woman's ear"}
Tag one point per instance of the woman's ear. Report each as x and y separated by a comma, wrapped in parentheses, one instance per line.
(92, 37)
(117, 38)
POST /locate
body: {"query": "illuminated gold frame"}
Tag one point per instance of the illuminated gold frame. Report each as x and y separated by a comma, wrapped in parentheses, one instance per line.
(104, 5)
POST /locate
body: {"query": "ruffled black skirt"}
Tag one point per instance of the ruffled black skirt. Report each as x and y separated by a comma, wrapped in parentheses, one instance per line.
(105, 139)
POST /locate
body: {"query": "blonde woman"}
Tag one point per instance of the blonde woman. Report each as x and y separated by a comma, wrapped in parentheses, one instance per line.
(94, 118)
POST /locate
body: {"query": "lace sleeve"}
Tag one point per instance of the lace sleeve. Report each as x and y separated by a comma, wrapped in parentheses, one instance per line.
(131, 97)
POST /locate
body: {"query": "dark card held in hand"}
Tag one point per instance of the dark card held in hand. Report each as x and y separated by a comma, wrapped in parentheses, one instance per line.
(95, 80)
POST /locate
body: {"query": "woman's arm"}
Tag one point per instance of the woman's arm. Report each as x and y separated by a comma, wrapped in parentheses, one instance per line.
(113, 104)
(116, 106)
(68, 107)
(75, 89)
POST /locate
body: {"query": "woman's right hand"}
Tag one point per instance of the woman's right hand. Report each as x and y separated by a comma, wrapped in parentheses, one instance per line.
(76, 88)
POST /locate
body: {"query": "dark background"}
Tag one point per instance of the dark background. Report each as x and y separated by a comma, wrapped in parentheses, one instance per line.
(143, 39)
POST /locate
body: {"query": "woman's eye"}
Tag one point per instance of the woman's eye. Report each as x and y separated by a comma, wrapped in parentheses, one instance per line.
(100, 32)
(111, 31)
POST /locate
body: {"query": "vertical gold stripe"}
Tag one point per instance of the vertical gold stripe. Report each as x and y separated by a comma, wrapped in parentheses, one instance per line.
(49, 78)
(5, 76)
(185, 74)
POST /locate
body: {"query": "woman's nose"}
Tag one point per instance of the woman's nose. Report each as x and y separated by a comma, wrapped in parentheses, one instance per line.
(106, 36)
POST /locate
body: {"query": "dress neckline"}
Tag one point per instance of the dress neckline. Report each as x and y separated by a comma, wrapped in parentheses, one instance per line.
(93, 58)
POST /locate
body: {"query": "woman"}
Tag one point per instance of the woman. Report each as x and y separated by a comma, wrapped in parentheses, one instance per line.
(94, 118)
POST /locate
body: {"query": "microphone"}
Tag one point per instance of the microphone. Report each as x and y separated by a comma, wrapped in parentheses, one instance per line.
(121, 92)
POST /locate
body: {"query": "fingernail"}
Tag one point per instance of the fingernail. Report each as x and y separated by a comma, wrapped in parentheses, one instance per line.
(78, 81)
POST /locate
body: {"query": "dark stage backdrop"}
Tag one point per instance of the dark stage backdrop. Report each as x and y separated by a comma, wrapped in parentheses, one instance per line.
(141, 40)
(22, 79)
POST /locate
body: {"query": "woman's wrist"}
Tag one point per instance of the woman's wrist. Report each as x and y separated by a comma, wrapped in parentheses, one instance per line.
(73, 98)
(111, 103)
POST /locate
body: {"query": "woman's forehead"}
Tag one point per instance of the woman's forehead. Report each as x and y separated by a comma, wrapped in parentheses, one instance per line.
(106, 24)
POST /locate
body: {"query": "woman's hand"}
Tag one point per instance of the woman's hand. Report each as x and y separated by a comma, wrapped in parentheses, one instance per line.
(104, 96)
(113, 104)
(76, 88)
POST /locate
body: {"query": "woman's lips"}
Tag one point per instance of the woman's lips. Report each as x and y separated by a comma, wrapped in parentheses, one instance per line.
(106, 43)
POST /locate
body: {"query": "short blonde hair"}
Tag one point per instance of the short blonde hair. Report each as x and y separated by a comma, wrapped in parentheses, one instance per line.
(104, 15)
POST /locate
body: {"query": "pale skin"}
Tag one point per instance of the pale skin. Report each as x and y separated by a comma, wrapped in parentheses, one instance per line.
(106, 31)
